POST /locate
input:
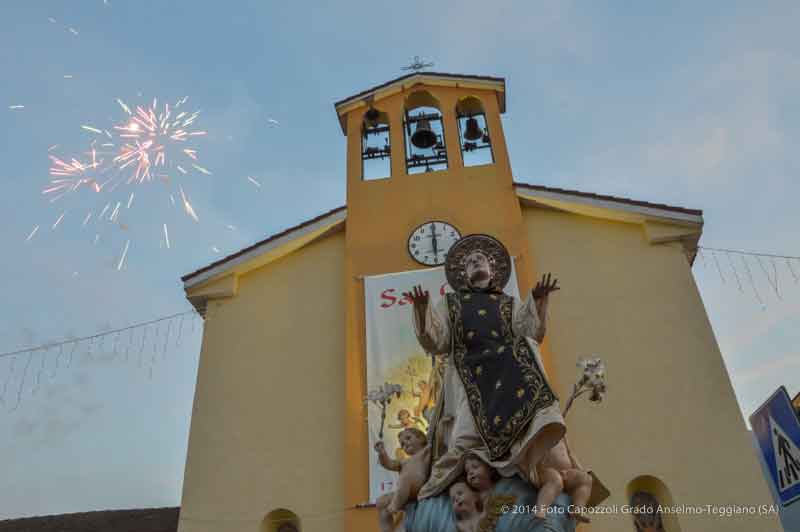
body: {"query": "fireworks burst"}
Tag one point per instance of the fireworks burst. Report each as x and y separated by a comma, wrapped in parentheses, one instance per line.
(150, 144)
(148, 135)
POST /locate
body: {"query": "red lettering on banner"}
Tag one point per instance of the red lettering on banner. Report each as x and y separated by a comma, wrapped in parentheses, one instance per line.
(389, 299)
(386, 296)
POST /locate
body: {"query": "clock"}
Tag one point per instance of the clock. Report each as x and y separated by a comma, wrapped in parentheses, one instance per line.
(429, 242)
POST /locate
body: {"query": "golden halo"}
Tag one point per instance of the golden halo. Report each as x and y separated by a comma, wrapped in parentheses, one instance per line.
(489, 246)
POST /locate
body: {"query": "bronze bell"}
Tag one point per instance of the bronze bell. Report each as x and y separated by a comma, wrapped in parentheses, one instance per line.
(371, 116)
(473, 131)
(423, 136)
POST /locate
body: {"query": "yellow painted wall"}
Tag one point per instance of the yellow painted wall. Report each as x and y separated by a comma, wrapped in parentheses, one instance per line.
(670, 411)
(267, 429)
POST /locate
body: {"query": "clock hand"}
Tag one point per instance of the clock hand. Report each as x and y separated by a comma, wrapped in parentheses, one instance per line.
(433, 236)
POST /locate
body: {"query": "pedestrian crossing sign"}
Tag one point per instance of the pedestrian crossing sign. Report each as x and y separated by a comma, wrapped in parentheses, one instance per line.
(777, 429)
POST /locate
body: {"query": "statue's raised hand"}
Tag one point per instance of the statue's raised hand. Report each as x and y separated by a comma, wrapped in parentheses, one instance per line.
(418, 296)
(545, 286)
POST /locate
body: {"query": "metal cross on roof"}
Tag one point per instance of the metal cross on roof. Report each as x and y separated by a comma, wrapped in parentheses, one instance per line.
(417, 65)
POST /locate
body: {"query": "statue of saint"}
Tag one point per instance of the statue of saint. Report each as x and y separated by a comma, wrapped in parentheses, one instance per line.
(495, 402)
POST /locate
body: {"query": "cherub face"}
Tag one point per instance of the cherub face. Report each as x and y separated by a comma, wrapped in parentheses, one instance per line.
(479, 476)
(463, 499)
(411, 442)
(403, 415)
(478, 269)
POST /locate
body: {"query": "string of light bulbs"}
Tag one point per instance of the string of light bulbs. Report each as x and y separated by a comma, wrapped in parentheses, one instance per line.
(97, 335)
(53, 356)
(771, 259)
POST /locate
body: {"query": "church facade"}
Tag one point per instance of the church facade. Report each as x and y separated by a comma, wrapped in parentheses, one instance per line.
(278, 436)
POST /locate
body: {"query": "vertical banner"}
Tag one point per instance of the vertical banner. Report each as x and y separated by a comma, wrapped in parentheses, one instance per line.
(394, 356)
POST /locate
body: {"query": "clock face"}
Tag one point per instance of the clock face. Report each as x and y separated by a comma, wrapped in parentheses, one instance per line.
(429, 242)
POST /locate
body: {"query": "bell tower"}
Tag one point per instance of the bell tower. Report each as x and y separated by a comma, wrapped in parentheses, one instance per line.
(426, 146)
(422, 148)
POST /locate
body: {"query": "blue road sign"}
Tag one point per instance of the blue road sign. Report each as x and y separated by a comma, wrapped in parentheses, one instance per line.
(776, 426)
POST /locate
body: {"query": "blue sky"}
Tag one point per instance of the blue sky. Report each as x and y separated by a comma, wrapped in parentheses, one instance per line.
(675, 102)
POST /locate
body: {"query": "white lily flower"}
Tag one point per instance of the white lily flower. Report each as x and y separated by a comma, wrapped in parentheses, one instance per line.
(592, 380)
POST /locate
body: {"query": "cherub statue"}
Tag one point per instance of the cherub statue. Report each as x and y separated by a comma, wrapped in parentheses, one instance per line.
(560, 471)
(471, 512)
(480, 477)
(467, 506)
(413, 474)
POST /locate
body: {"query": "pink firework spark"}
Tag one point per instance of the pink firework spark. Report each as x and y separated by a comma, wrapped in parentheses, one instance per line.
(69, 176)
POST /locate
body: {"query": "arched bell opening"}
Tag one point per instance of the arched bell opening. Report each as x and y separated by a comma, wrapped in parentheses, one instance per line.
(376, 159)
(646, 495)
(281, 520)
(424, 134)
(473, 132)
